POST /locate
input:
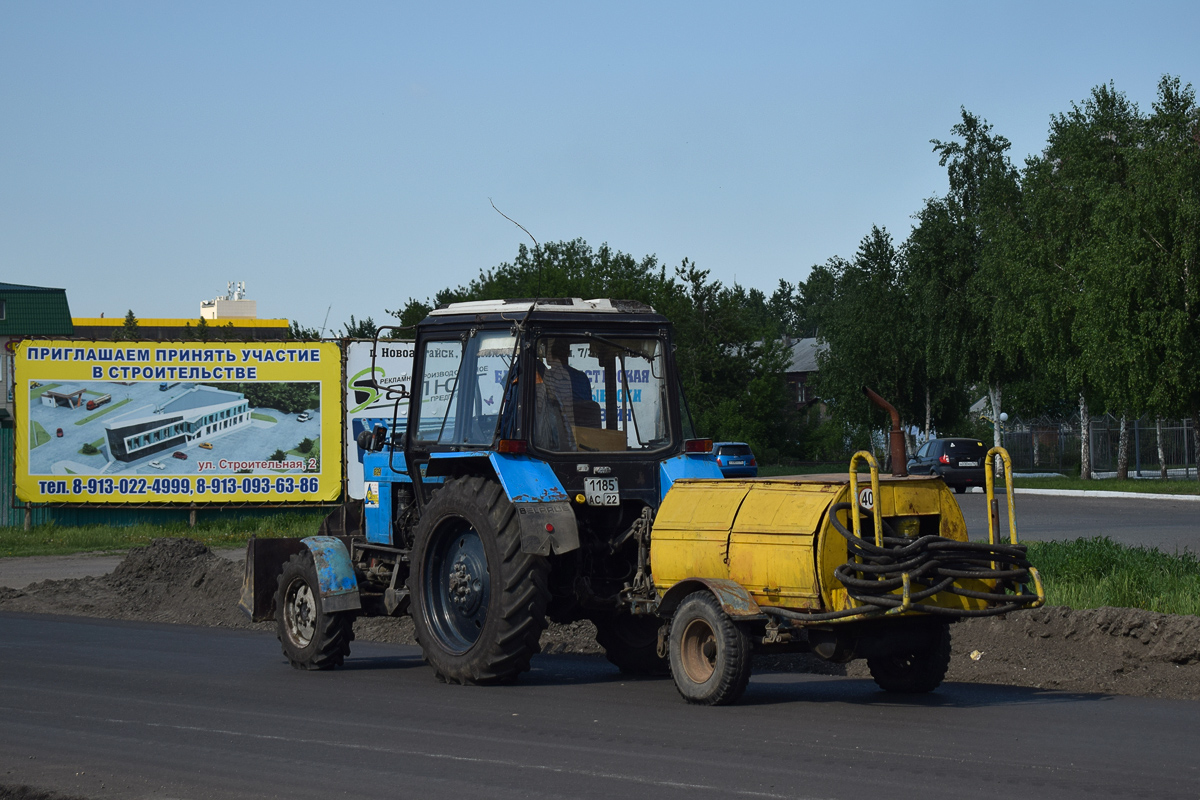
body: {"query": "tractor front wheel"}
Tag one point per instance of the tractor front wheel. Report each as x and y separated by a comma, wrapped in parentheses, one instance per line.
(479, 602)
(311, 638)
(920, 669)
(710, 654)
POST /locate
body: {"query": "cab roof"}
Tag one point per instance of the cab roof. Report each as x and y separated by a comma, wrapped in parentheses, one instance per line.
(543, 304)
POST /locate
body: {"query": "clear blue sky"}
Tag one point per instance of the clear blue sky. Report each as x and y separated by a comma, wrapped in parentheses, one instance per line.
(342, 155)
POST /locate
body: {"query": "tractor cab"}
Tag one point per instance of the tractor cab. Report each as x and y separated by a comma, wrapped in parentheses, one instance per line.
(587, 388)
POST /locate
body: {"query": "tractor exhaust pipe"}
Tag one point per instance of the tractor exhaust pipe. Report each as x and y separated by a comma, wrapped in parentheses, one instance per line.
(899, 456)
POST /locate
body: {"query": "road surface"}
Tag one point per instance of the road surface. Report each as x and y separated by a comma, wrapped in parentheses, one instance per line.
(104, 709)
(1170, 525)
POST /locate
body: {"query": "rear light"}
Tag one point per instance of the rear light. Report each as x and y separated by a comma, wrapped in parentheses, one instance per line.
(753, 462)
(697, 445)
(944, 459)
(512, 446)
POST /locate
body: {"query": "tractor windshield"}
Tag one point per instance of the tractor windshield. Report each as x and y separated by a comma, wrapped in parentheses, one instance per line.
(462, 388)
(594, 394)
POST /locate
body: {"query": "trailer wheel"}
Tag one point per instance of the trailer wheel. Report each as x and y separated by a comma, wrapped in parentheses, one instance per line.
(479, 603)
(710, 654)
(631, 643)
(916, 672)
(311, 638)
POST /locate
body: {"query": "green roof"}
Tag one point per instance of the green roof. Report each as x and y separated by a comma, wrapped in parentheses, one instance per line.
(34, 311)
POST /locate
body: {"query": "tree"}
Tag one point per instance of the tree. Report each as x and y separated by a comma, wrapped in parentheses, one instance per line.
(934, 296)
(983, 204)
(730, 357)
(302, 332)
(129, 331)
(278, 455)
(869, 336)
(306, 445)
(359, 329)
(1165, 284)
(1082, 244)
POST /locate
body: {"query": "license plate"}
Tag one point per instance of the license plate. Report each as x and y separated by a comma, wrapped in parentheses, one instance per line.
(601, 491)
(968, 463)
(737, 463)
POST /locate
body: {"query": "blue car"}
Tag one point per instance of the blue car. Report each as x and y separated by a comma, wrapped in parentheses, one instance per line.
(736, 460)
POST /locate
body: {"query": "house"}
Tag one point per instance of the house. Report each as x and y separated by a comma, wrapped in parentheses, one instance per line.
(803, 368)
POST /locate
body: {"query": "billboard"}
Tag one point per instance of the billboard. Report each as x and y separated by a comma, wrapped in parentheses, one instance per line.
(178, 422)
(378, 380)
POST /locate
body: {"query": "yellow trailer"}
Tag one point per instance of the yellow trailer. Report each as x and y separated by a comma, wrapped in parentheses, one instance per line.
(836, 565)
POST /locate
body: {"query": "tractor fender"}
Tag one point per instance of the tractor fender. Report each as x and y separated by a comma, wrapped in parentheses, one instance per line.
(335, 573)
(544, 513)
(734, 599)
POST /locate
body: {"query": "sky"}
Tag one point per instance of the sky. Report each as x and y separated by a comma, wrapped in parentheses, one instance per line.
(341, 158)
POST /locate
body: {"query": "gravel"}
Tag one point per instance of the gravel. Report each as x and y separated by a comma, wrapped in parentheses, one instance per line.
(1106, 650)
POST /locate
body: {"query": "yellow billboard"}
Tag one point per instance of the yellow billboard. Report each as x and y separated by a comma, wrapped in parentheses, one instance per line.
(178, 422)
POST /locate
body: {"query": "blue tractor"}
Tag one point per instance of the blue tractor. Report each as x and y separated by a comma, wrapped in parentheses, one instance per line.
(541, 438)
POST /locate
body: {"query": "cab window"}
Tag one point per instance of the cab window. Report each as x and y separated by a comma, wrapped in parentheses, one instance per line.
(462, 388)
(594, 394)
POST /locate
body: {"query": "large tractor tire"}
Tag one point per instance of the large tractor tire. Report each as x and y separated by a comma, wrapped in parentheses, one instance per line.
(311, 638)
(479, 603)
(631, 643)
(710, 654)
(919, 670)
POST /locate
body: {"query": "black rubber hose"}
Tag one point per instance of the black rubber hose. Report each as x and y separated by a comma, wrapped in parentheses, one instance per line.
(933, 564)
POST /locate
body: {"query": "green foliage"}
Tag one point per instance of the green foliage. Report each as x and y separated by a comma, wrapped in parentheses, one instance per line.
(359, 329)
(730, 358)
(1073, 280)
(278, 455)
(213, 528)
(88, 449)
(868, 343)
(306, 445)
(304, 333)
(1092, 573)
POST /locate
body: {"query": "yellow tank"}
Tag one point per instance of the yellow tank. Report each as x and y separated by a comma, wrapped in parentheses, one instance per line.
(775, 536)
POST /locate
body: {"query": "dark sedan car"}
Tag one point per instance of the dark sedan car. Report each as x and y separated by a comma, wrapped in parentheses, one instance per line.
(958, 462)
(736, 460)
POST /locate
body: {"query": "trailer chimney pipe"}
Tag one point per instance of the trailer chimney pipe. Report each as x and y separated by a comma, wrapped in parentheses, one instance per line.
(899, 456)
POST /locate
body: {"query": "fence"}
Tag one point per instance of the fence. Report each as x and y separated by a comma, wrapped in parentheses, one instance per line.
(1049, 445)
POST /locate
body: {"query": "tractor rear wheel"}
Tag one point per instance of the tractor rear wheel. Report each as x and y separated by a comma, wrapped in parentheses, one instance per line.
(920, 669)
(710, 654)
(479, 603)
(631, 643)
(311, 638)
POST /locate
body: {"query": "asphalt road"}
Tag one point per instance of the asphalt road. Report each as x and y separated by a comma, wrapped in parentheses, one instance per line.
(1170, 525)
(117, 709)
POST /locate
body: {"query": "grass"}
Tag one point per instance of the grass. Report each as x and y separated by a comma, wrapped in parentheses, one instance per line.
(37, 435)
(1141, 485)
(1091, 573)
(104, 410)
(263, 417)
(45, 540)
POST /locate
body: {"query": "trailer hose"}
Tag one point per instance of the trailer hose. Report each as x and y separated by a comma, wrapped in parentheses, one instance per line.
(933, 565)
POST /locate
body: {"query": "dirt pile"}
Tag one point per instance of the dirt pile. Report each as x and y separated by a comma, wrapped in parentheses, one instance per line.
(1106, 650)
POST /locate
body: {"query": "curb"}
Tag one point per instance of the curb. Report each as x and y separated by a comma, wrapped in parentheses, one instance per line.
(1089, 493)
